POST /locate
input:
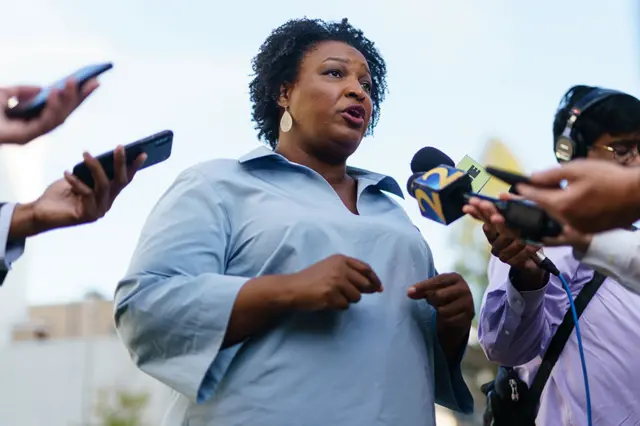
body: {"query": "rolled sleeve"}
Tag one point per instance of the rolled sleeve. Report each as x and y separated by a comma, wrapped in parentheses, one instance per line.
(10, 251)
(173, 307)
(451, 391)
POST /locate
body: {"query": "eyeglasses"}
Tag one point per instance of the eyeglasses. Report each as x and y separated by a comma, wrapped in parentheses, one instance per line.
(623, 151)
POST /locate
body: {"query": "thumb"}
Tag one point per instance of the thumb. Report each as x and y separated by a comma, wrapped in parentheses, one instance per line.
(22, 92)
(19, 92)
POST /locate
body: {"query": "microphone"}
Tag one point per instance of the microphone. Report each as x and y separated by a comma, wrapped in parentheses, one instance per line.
(442, 190)
(430, 158)
(435, 179)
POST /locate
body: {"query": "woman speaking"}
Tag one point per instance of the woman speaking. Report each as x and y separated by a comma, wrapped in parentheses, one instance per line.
(286, 288)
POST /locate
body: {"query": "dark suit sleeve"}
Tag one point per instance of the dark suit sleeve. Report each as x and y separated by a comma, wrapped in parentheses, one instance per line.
(9, 251)
(3, 266)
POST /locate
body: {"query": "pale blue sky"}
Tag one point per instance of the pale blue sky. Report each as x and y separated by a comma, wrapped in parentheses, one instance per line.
(460, 71)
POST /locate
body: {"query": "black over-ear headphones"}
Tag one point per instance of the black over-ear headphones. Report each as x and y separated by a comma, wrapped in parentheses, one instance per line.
(569, 144)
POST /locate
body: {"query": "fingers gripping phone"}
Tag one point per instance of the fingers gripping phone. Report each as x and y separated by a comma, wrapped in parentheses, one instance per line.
(157, 147)
(31, 108)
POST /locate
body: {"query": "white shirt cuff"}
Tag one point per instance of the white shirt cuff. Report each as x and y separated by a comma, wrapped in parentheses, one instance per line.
(615, 253)
(609, 247)
(9, 251)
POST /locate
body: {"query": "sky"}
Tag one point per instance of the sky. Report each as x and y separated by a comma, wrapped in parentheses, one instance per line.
(460, 72)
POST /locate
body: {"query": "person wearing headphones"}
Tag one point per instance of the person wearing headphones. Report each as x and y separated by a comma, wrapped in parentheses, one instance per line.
(524, 320)
(68, 201)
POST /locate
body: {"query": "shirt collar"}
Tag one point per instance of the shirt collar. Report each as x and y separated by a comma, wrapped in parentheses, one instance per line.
(383, 182)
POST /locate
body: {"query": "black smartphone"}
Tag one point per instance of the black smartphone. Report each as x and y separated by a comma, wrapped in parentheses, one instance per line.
(157, 147)
(508, 177)
(31, 108)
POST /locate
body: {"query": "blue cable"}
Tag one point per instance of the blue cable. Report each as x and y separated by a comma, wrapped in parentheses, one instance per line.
(579, 337)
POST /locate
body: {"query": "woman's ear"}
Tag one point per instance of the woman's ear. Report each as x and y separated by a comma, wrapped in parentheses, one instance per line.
(283, 99)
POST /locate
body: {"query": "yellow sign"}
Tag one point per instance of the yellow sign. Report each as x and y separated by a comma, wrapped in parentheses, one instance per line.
(479, 176)
(498, 154)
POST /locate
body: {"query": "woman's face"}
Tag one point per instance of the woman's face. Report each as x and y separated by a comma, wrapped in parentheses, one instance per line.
(330, 102)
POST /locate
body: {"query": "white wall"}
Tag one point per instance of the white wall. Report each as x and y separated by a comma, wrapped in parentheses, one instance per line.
(43, 383)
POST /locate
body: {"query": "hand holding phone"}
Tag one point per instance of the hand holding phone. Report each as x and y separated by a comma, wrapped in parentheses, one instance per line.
(69, 202)
(157, 149)
(27, 112)
(27, 109)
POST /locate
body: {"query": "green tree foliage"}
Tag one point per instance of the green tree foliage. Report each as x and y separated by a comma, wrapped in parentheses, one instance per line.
(121, 408)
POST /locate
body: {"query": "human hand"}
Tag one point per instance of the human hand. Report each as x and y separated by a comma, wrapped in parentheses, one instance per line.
(60, 104)
(505, 243)
(69, 202)
(600, 195)
(333, 283)
(450, 296)
(485, 211)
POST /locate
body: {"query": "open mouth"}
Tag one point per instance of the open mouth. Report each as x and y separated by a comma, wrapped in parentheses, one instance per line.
(356, 112)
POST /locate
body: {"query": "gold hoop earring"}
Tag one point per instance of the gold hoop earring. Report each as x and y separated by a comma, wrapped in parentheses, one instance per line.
(286, 122)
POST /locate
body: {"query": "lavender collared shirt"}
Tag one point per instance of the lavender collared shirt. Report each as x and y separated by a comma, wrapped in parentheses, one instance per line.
(516, 329)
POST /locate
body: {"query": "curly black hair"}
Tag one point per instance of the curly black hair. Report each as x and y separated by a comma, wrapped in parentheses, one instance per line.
(616, 115)
(278, 63)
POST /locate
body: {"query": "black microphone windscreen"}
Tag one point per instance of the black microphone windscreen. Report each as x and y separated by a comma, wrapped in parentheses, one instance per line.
(428, 158)
(410, 181)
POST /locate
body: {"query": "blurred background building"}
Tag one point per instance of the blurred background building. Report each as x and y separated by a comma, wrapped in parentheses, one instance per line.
(65, 366)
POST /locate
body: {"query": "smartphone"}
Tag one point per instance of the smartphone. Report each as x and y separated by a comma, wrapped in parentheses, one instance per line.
(157, 147)
(31, 108)
(514, 178)
(508, 177)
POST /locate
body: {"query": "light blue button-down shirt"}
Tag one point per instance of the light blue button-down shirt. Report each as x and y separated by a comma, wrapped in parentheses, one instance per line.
(226, 221)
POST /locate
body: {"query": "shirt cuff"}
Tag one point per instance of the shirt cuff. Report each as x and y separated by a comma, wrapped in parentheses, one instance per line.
(524, 303)
(608, 249)
(614, 253)
(10, 251)
(451, 390)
